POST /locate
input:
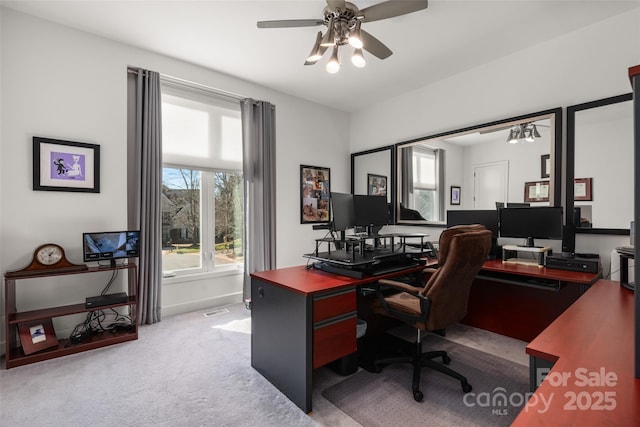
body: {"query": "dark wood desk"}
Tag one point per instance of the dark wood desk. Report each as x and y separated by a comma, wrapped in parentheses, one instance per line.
(520, 301)
(593, 334)
(300, 320)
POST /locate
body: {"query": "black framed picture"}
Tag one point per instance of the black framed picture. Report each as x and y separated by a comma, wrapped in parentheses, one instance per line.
(376, 185)
(455, 195)
(314, 194)
(545, 165)
(65, 166)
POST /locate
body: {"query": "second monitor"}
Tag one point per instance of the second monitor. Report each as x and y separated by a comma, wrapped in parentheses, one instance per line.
(371, 212)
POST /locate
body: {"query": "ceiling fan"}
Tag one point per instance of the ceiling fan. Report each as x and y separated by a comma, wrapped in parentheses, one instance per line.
(343, 21)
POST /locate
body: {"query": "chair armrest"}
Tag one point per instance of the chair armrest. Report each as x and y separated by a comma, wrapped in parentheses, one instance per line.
(401, 286)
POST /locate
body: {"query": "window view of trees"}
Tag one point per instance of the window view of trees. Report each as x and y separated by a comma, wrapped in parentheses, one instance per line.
(184, 192)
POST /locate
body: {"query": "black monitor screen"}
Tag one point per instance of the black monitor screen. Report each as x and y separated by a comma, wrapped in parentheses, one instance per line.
(343, 211)
(110, 245)
(371, 210)
(531, 223)
(488, 218)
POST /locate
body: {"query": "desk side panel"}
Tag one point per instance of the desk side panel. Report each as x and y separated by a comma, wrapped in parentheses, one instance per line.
(281, 340)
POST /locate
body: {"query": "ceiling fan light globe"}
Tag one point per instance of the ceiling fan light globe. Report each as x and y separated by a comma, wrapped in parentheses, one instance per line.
(357, 58)
(333, 66)
(356, 41)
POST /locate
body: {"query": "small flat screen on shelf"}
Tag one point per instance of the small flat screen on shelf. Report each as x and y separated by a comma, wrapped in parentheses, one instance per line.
(110, 245)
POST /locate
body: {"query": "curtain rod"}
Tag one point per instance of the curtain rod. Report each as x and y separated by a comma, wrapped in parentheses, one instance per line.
(171, 79)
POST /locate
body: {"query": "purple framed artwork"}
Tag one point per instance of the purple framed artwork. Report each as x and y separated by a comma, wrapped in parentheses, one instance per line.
(65, 166)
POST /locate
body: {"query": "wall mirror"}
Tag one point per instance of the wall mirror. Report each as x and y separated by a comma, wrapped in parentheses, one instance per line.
(515, 160)
(373, 172)
(600, 163)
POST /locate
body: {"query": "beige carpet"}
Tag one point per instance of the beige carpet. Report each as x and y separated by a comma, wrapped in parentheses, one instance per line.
(388, 399)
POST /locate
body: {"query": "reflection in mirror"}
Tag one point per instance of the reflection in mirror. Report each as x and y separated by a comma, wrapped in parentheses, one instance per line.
(507, 161)
(600, 159)
(372, 172)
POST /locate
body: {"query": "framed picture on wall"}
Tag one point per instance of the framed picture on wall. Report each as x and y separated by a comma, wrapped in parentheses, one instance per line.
(536, 191)
(455, 195)
(65, 166)
(314, 194)
(376, 185)
(582, 189)
(545, 166)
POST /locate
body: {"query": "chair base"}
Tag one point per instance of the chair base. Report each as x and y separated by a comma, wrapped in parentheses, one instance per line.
(421, 360)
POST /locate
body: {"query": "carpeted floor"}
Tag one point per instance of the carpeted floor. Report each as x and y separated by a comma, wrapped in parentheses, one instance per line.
(388, 399)
(188, 370)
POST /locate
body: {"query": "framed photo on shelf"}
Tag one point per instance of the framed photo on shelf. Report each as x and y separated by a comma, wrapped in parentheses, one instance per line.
(455, 195)
(376, 185)
(545, 165)
(65, 166)
(314, 194)
(37, 335)
(536, 191)
(582, 189)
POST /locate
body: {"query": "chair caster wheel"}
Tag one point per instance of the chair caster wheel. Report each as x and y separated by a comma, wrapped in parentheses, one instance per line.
(466, 387)
(446, 359)
(418, 396)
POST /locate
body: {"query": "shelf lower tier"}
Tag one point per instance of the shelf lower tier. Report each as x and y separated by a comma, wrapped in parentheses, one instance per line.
(48, 313)
(15, 356)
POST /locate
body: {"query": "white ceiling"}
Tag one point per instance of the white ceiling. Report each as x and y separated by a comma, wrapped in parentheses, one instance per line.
(448, 37)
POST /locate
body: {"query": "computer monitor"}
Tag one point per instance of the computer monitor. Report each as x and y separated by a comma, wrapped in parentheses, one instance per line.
(371, 212)
(488, 218)
(531, 223)
(344, 217)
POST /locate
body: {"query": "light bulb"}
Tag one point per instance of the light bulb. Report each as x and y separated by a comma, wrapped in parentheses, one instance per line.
(358, 59)
(333, 66)
(354, 37)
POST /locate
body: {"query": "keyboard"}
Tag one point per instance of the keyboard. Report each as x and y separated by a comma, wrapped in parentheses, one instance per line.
(383, 268)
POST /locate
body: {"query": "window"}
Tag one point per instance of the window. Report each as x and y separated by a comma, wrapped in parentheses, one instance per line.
(425, 184)
(202, 186)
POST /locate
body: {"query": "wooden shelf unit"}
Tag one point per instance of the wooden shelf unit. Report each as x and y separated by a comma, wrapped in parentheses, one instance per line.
(14, 354)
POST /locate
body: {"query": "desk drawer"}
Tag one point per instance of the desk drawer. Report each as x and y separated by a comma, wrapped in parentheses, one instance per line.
(333, 305)
(333, 340)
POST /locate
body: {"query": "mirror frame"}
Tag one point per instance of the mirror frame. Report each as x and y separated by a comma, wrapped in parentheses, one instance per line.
(570, 168)
(556, 114)
(391, 183)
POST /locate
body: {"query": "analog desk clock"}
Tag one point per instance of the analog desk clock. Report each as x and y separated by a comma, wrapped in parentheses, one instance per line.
(48, 258)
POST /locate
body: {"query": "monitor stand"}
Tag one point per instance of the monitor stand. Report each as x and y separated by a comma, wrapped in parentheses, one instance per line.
(510, 254)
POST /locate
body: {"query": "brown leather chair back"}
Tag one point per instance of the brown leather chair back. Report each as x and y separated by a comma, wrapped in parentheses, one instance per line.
(463, 251)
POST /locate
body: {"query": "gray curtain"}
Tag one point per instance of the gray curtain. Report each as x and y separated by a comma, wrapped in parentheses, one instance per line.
(440, 182)
(407, 177)
(145, 186)
(258, 169)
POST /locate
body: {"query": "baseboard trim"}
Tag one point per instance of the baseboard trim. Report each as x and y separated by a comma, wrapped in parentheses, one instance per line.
(205, 304)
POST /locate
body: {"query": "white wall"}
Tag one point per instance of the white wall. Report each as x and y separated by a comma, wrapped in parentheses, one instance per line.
(585, 65)
(61, 83)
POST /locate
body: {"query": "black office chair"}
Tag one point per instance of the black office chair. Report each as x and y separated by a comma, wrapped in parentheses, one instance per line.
(442, 301)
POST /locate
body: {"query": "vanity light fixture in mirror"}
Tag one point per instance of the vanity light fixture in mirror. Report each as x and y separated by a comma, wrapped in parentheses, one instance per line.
(479, 160)
(600, 161)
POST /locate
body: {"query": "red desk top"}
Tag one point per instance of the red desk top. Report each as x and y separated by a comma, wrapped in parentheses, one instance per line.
(592, 343)
(540, 272)
(311, 281)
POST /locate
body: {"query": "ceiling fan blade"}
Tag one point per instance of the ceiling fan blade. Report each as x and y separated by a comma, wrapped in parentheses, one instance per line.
(391, 8)
(374, 46)
(336, 4)
(290, 23)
